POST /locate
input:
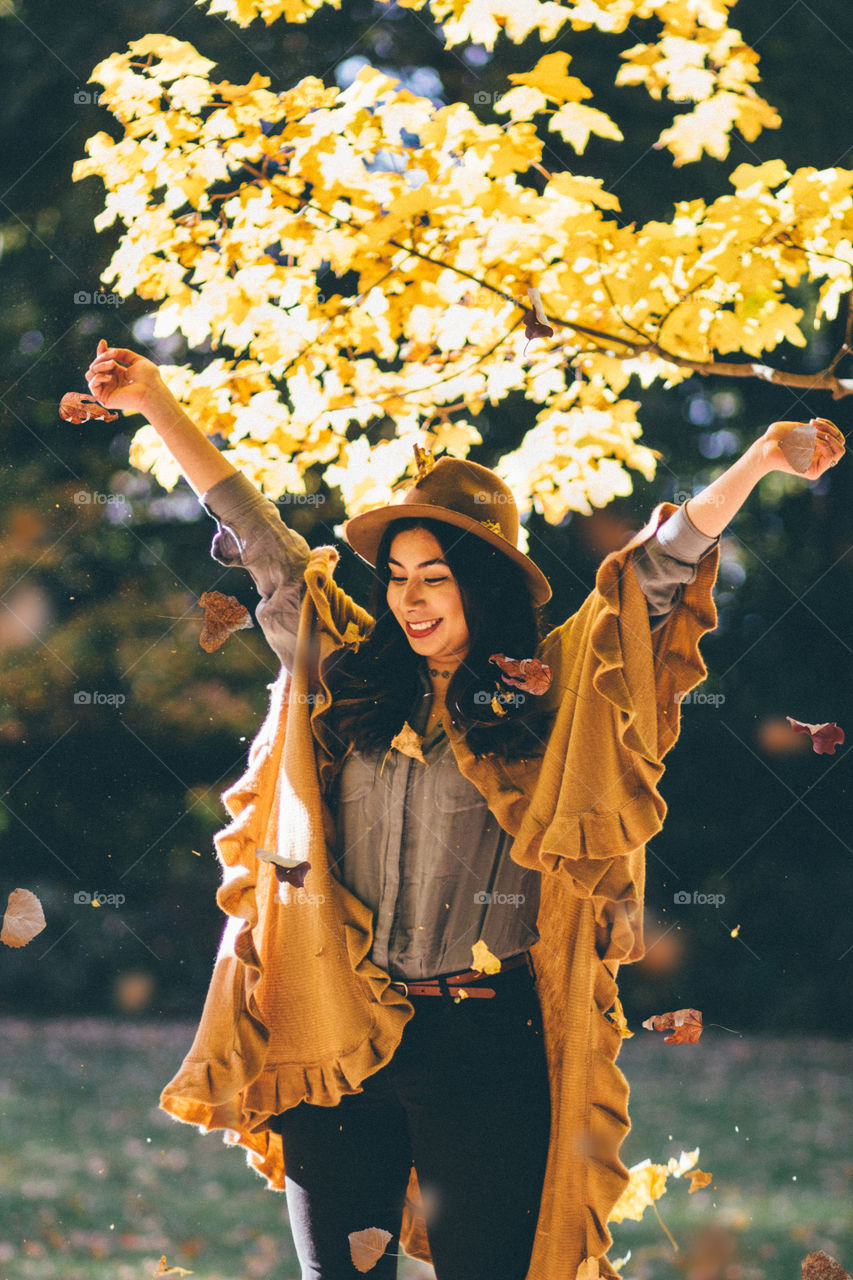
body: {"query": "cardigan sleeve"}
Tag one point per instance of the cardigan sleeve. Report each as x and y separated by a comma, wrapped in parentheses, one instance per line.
(252, 535)
(669, 560)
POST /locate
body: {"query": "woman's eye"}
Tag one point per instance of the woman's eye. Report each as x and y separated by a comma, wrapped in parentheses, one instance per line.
(431, 581)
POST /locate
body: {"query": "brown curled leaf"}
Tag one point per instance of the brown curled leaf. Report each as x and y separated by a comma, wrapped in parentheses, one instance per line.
(24, 919)
(367, 1247)
(77, 407)
(534, 328)
(825, 737)
(289, 870)
(528, 674)
(223, 615)
(685, 1025)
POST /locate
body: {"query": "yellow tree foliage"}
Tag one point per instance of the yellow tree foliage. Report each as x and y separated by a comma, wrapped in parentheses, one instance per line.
(359, 260)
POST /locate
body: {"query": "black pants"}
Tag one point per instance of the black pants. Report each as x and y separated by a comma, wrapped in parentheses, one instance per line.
(466, 1098)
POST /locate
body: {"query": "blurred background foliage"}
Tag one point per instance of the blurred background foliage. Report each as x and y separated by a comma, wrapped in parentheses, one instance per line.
(100, 569)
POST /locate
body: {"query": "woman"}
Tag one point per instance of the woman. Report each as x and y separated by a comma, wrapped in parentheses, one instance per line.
(430, 803)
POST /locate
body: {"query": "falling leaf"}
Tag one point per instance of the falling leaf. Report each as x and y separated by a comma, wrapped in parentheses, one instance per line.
(698, 1180)
(527, 674)
(825, 737)
(367, 1247)
(23, 920)
(164, 1270)
(223, 615)
(676, 1166)
(617, 1019)
(685, 1025)
(289, 870)
(77, 407)
(735, 931)
(646, 1183)
(535, 321)
(484, 961)
(409, 743)
(822, 1266)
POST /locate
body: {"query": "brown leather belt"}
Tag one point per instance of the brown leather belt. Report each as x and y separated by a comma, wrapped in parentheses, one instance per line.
(453, 984)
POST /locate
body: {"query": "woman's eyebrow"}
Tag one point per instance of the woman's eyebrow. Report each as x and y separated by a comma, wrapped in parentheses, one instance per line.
(422, 565)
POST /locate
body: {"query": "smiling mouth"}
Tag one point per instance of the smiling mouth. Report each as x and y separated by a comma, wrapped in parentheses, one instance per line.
(419, 630)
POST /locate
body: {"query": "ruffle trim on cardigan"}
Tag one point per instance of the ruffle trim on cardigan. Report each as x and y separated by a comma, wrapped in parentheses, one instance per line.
(592, 847)
(606, 1174)
(234, 1090)
(678, 665)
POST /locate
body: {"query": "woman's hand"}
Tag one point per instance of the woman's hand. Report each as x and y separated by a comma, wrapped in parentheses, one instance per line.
(121, 379)
(828, 449)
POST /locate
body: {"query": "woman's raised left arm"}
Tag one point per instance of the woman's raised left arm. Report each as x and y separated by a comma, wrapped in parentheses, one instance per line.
(713, 508)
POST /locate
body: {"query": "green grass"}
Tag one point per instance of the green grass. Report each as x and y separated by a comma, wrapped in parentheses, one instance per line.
(96, 1183)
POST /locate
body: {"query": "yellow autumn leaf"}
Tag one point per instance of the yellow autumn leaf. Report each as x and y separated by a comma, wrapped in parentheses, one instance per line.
(550, 78)
(576, 122)
(619, 1021)
(483, 958)
(646, 1183)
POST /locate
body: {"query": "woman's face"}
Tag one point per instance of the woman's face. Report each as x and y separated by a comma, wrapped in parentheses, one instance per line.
(422, 589)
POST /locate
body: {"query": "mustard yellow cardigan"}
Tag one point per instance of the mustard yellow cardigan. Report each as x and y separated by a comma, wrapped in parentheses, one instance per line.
(297, 1011)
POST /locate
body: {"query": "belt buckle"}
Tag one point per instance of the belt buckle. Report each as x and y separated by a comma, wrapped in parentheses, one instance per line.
(396, 983)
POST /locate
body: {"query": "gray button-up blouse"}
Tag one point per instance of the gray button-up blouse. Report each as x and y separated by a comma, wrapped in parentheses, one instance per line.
(417, 843)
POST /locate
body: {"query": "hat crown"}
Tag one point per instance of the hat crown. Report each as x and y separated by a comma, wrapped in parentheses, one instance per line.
(471, 490)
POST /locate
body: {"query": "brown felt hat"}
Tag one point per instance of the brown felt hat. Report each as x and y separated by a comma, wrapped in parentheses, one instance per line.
(460, 493)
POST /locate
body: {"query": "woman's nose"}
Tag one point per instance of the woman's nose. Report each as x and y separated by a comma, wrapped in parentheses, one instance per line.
(412, 593)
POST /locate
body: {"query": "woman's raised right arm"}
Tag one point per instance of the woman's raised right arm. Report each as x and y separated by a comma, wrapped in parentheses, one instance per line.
(251, 533)
(121, 379)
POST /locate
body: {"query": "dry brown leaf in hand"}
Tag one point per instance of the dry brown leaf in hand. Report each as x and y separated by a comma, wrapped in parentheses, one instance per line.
(588, 1270)
(77, 407)
(367, 1247)
(24, 919)
(684, 1024)
(223, 615)
(798, 446)
(797, 441)
(825, 737)
(484, 961)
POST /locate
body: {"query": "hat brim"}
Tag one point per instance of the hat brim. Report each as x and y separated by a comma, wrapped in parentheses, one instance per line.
(364, 534)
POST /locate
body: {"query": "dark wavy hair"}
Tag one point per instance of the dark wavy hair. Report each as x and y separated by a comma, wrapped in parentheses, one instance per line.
(376, 688)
